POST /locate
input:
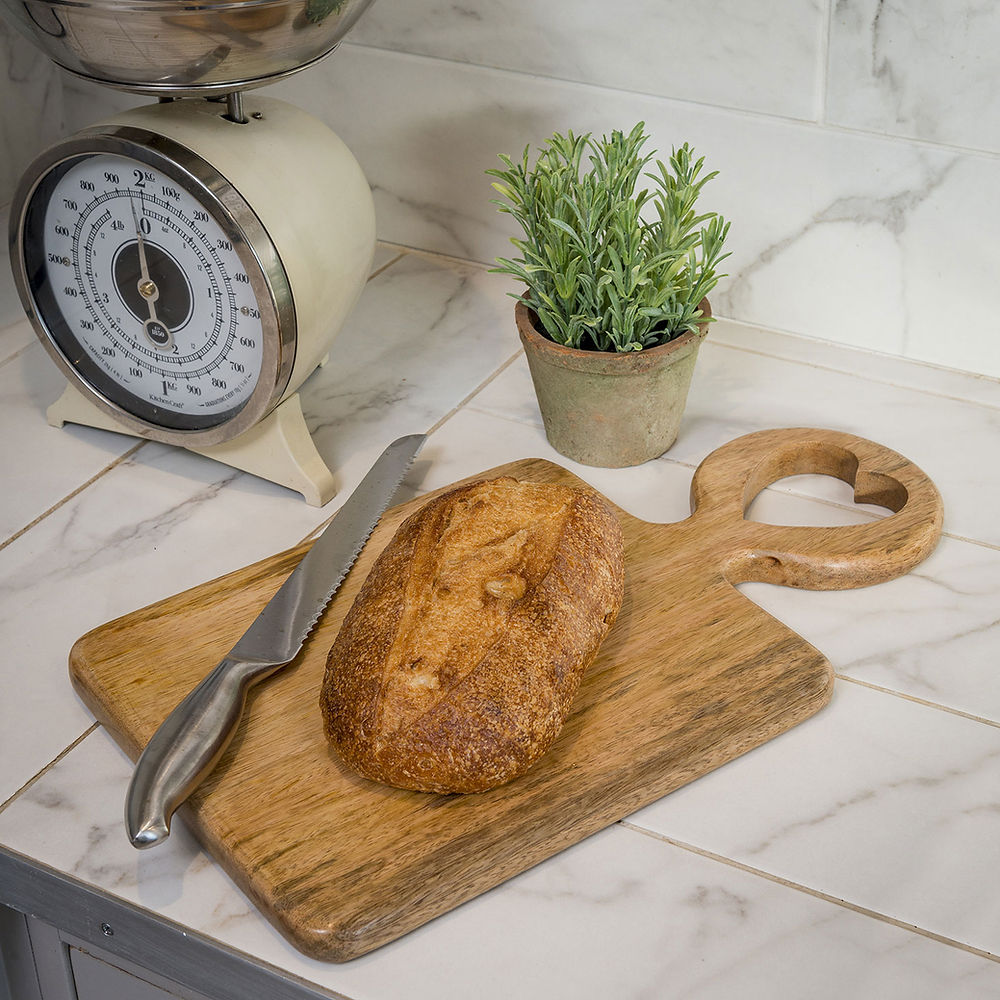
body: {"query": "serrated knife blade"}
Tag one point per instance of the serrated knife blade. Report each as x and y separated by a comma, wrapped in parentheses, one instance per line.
(193, 737)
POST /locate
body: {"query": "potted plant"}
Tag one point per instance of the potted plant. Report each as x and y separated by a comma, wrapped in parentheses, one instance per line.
(617, 279)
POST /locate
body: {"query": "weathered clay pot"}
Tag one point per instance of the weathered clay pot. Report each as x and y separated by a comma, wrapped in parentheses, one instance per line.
(607, 409)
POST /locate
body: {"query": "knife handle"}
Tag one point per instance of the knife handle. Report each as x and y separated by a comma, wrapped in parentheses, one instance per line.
(186, 747)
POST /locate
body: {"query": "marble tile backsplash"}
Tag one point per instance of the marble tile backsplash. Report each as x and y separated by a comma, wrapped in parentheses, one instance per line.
(857, 141)
(686, 49)
(31, 108)
(921, 69)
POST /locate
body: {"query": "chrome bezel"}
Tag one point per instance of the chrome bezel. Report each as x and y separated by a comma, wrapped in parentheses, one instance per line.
(233, 213)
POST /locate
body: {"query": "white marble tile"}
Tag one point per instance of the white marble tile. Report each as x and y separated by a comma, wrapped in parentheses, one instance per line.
(876, 800)
(12, 330)
(621, 914)
(761, 55)
(31, 112)
(836, 235)
(932, 634)
(152, 526)
(422, 338)
(16, 336)
(42, 464)
(920, 69)
(86, 102)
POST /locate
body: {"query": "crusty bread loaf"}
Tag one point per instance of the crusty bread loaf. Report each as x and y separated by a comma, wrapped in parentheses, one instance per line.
(456, 666)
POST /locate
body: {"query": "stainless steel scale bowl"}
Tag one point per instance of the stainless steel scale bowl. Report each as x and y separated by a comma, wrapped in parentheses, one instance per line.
(185, 47)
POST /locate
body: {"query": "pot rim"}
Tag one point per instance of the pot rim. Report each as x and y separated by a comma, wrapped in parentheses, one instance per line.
(574, 357)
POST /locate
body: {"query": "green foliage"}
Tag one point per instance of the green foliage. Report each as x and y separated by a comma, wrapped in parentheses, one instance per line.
(601, 273)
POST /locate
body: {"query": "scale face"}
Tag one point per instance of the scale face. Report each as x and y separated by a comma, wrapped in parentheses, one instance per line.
(151, 292)
(187, 272)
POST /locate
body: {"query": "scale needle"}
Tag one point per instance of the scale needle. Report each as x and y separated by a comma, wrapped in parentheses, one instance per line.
(157, 332)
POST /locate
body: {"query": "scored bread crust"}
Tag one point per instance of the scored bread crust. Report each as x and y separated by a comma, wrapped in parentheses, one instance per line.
(457, 664)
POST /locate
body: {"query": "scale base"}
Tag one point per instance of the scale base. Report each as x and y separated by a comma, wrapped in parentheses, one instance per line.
(278, 448)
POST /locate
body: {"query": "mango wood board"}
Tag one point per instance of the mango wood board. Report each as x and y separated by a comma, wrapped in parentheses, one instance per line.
(691, 675)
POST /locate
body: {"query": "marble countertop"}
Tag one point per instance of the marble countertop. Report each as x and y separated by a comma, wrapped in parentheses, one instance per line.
(857, 855)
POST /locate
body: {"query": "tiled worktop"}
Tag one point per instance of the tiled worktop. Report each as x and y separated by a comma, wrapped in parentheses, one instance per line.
(857, 855)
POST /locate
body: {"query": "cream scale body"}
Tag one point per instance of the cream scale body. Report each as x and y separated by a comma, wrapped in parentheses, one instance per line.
(187, 272)
(187, 265)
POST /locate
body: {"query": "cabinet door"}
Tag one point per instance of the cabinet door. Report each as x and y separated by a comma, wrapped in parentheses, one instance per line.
(97, 980)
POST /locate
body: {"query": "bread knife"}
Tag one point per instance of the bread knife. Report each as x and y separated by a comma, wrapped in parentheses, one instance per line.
(193, 737)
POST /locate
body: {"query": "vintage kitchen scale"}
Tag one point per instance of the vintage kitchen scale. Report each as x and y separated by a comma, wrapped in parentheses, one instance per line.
(188, 263)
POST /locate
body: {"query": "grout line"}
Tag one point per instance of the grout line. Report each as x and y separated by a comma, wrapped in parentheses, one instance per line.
(971, 541)
(919, 701)
(385, 267)
(21, 350)
(69, 496)
(815, 893)
(823, 64)
(479, 388)
(51, 764)
(406, 250)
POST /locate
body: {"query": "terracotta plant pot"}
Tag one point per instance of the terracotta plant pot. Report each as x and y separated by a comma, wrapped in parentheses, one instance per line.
(608, 409)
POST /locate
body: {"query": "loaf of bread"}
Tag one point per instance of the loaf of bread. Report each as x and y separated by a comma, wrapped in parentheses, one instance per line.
(456, 667)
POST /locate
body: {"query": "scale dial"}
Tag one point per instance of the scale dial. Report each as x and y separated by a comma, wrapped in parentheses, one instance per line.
(155, 286)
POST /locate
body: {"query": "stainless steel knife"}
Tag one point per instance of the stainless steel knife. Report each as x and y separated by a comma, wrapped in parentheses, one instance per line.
(193, 737)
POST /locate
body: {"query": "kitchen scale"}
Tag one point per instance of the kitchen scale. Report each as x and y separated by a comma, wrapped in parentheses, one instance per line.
(188, 263)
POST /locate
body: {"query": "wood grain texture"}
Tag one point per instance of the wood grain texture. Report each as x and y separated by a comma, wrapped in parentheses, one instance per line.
(692, 675)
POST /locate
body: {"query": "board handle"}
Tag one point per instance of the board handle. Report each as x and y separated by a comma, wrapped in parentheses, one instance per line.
(816, 558)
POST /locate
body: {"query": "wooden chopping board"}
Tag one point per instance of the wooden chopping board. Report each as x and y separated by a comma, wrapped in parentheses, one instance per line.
(692, 675)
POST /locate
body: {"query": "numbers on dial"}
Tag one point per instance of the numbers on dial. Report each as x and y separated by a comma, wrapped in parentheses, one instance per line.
(151, 289)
